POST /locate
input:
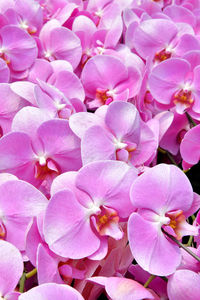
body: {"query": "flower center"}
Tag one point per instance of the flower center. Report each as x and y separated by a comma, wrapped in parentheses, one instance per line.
(45, 167)
(106, 222)
(177, 223)
(24, 25)
(175, 218)
(104, 96)
(183, 97)
(124, 150)
(162, 55)
(106, 217)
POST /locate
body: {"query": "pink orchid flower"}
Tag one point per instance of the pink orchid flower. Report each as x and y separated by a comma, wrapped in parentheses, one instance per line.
(114, 132)
(106, 79)
(175, 83)
(40, 158)
(27, 15)
(55, 89)
(164, 199)
(58, 42)
(94, 41)
(17, 46)
(54, 102)
(85, 210)
(148, 40)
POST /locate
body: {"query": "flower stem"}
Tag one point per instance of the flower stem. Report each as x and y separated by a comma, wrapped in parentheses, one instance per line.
(164, 278)
(170, 157)
(189, 244)
(149, 280)
(31, 273)
(22, 283)
(181, 245)
(191, 121)
(161, 150)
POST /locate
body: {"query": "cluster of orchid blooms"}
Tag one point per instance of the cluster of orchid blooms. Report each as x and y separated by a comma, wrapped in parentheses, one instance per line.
(99, 122)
